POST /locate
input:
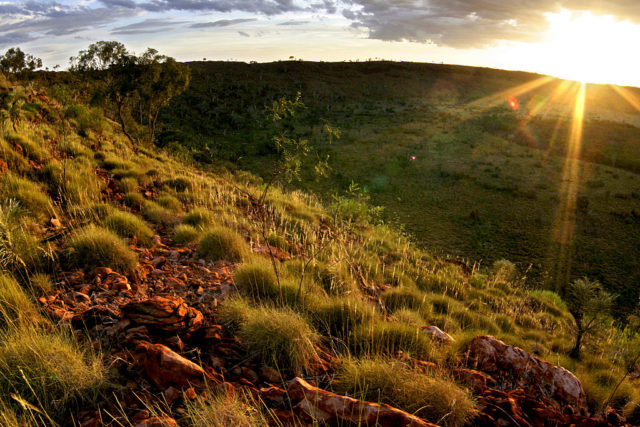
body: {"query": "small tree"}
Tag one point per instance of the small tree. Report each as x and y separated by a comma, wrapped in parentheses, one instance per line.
(136, 87)
(590, 306)
(15, 61)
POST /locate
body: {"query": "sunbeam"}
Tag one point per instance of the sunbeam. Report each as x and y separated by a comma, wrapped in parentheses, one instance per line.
(627, 96)
(565, 223)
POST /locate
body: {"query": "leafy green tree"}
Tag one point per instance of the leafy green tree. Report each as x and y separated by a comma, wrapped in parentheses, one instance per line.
(15, 61)
(590, 305)
(136, 87)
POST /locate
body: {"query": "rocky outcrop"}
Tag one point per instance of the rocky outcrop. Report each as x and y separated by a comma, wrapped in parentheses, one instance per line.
(169, 314)
(514, 368)
(323, 406)
(165, 367)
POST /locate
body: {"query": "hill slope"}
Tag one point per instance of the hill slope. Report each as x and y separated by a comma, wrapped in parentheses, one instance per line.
(487, 182)
(138, 289)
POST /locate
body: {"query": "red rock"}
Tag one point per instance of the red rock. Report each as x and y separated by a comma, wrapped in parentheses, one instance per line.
(168, 314)
(158, 422)
(102, 271)
(140, 416)
(323, 405)
(165, 367)
(275, 396)
(158, 262)
(270, 374)
(3, 166)
(191, 393)
(478, 381)
(514, 368)
(176, 342)
(171, 394)
(55, 223)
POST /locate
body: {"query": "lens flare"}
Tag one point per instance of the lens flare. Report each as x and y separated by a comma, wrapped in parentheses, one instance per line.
(514, 104)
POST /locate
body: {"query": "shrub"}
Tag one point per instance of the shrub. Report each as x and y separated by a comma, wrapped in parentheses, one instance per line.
(198, 217)
(128, 225)
(279, 336)
(224, 410)
(339, 316)
(402, 297)
(49, 370)
(222, 244)
(16, 307)
(93, 246)
(438, 400)
(382, 337)
(185, 234)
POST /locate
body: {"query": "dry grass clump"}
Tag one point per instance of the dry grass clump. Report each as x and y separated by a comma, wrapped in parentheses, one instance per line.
(41, 282)
(134, 200)
(233, 313)
(224, 410)
(49, 370)
(29, 194)
(340, 316)
(129, 225)
(383, 337)
(279, 337)
(16, 307)
(403, 297)
(443, 283)
(184, 234)
(156, 214)
(436, 399)
(93, 246)
(127, 185)
(199, 217)
(167, 201)
(223, 244)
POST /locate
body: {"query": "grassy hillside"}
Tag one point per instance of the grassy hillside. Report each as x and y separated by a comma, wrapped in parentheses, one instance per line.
(487, 182)
(113, 255)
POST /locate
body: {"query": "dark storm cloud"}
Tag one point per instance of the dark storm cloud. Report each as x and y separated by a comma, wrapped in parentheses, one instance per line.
(470, 23)
(221, 23)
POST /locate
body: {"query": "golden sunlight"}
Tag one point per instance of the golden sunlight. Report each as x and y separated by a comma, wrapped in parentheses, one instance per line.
(589, 48)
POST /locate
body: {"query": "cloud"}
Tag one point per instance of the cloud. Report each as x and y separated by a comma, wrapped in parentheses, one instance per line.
(222, 23)
(469, 23)
(148, 26)
(243, 34)
(31, 21)
(291, 22)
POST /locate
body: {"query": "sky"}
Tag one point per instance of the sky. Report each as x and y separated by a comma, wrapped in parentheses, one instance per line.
(589, 40)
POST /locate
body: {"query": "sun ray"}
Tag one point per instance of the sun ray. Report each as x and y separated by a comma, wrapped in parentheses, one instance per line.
(627, 96)
(490, 101)
(565, 223)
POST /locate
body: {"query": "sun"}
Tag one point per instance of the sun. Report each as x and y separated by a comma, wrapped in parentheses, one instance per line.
(590, 48)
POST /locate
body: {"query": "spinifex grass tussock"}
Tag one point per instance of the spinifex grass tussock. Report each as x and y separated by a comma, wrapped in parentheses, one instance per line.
(128, 225)
(339, 316)
(30, 195)
(233, 313)
(16, 306)
(199, 217)
(222, 410)
(50, 371)
(167, 201)
(280, 338)
(41, 283)
(403, 297)
(436, 399)
(384, 337)
(157, 214)
(92, 246)
(185, 234)
(223, 244)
